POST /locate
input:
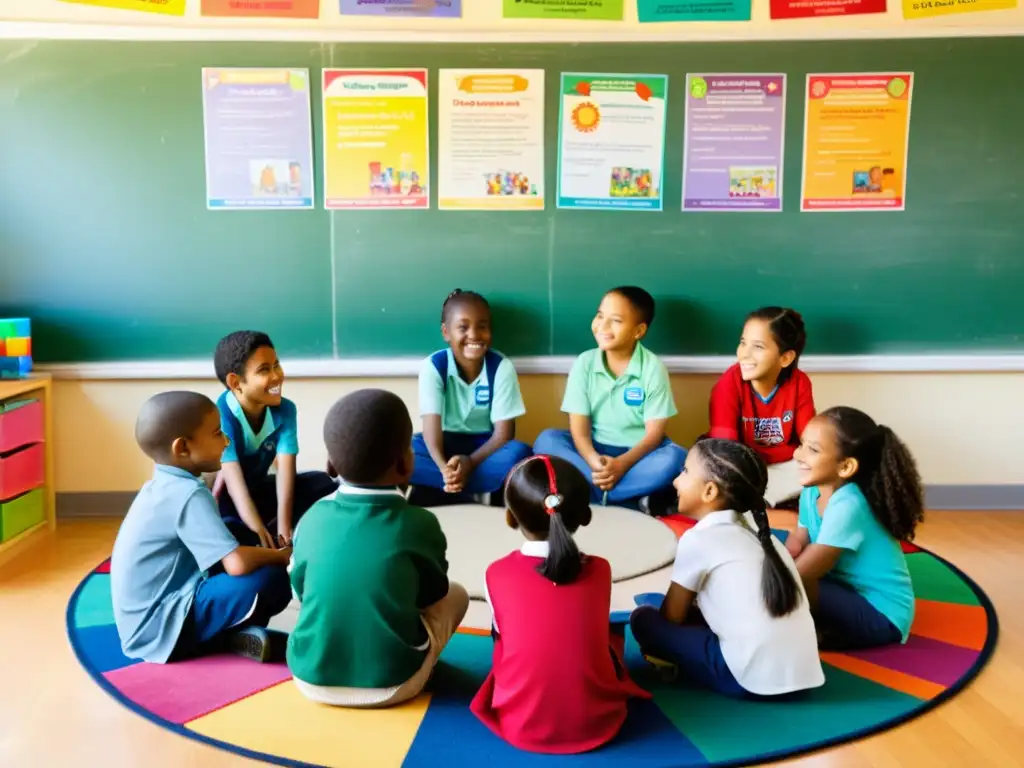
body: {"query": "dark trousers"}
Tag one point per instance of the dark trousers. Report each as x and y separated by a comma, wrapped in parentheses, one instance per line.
(224, 603)
(846, 621)
(486, 478)
(310, 487)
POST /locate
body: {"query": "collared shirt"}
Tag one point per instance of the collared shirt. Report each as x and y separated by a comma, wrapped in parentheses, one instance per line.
(171, 535)
(256, 451)
(470, 408)
(529, 549)
(872, 561)
(365, 564)
(619, 407)
(721, 560)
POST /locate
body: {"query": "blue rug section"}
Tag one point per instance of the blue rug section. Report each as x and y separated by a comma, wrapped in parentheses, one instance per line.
(93, 607)
(99, 648)
(452, 735)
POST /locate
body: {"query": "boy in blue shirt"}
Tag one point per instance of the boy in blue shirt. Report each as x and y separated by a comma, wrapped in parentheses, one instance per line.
(166, 605)
(619, 399)
(258, 508)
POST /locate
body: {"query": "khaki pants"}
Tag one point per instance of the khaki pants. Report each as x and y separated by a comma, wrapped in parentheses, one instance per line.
(440, 620)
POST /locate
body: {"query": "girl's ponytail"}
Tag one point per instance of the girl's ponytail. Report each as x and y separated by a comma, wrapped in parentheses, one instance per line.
(564, 561)
(778, 586)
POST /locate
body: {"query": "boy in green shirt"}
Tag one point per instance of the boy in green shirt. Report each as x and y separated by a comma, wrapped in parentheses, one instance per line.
(369, 569)
(619, 400)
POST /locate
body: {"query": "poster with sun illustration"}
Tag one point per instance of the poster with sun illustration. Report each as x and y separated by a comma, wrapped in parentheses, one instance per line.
(611, 141)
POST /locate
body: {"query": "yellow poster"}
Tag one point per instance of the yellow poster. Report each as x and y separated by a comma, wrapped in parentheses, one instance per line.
(919, 9)
(170, 7)
(856, 129)
(376, 148)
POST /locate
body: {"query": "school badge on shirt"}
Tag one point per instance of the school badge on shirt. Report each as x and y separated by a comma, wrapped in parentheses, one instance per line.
(633, 396)
(483, 395)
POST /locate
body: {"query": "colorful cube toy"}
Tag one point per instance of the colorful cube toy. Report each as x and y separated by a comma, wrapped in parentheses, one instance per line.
(15, 347)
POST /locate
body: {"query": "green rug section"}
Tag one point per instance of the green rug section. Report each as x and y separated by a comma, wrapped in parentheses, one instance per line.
(94, 607)
(725, 729)
(934, 580)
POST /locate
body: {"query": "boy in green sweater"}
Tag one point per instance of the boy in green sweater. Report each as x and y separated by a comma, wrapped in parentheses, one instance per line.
(369, 569)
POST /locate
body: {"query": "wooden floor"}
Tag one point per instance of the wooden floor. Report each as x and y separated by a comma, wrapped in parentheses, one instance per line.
(52, 714)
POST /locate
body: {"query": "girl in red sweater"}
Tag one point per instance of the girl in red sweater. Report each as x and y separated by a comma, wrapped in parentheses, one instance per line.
(558, 683)
(765, 400)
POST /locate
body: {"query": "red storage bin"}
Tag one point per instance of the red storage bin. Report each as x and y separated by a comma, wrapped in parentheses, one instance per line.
(21, 471)
(20, 426)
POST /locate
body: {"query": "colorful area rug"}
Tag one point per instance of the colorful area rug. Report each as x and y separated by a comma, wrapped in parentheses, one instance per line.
(253, 709)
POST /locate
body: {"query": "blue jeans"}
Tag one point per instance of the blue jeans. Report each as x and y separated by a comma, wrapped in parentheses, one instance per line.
(224, 602)
(654, 472)
(486, 478)
(310, 487)
(693, 648)
(846, 621)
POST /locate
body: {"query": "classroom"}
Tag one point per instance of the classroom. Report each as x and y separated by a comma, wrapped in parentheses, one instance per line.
(329, 172)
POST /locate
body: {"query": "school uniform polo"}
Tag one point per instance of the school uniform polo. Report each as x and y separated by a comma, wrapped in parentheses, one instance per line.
(558, 683)
(365, 563)
(721, 560)
(872, 561)
(470, 408)
(256, 451)
(171, 535)
(619, 407)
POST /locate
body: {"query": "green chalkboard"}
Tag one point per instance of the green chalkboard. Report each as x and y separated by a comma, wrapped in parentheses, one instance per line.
(107, 244)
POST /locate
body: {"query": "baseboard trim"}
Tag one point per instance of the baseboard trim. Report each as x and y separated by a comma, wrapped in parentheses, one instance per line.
(967, 498)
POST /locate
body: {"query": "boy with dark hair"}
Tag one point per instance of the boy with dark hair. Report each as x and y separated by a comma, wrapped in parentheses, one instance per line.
(619, 399)
(369, 569)
(260, 509)
(166, 607)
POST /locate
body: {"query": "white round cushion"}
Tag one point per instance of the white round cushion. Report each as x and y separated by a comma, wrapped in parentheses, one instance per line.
(632, 542)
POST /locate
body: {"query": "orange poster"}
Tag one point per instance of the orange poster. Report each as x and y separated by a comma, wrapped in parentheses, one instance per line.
(281, 9)
(856, 129)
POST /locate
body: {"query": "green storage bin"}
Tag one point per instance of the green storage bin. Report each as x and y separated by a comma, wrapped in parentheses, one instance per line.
(21, 513)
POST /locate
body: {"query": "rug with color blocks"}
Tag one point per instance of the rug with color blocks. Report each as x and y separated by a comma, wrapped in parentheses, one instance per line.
(253, 709)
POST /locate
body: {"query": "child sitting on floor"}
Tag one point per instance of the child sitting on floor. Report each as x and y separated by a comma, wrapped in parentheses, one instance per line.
(258, 507)
(166, 607)
(862, 497)
(469, 402)
(369, 569)
(619, 399)
(764, 399)
(558, 683)
(753, 635)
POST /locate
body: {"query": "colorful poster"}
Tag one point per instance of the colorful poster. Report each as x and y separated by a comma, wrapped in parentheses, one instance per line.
(444, 8)
(856, 129)
(577, 10)
(376, 143)
(170, 7)
(611, 141)
(802, 9)
(281, 9)
(733, 145)
(259, 145)
(693, 10)
(919, 9)
(491, 139)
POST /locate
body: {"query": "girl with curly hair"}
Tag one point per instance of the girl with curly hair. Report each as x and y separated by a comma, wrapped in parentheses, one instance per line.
(862, 497)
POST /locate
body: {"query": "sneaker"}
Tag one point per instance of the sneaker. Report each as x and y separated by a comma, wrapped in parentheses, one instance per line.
(251, 643)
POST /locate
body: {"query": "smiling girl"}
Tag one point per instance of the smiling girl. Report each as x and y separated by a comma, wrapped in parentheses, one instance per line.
(765, 400)
(469, 401)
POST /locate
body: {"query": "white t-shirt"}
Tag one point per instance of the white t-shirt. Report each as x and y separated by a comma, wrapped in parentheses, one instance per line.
(720, 559)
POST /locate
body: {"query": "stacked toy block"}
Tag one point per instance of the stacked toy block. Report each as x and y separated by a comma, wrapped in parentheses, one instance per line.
(15, 347)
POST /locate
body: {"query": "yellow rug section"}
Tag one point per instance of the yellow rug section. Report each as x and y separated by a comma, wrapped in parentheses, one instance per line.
(315, 733)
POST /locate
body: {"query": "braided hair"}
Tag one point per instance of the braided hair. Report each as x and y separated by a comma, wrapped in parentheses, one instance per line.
(886, 474)
(459, 297)
(787, 328)
(742, 478)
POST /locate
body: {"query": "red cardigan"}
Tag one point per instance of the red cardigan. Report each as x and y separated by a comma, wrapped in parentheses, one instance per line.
(558, 683)
(772, 429)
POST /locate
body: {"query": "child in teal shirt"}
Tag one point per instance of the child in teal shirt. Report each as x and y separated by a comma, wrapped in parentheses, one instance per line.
(862, 496)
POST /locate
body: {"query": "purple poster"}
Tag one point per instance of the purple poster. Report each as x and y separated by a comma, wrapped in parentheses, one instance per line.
(259, 146)
(446, 8)
(732, 155)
